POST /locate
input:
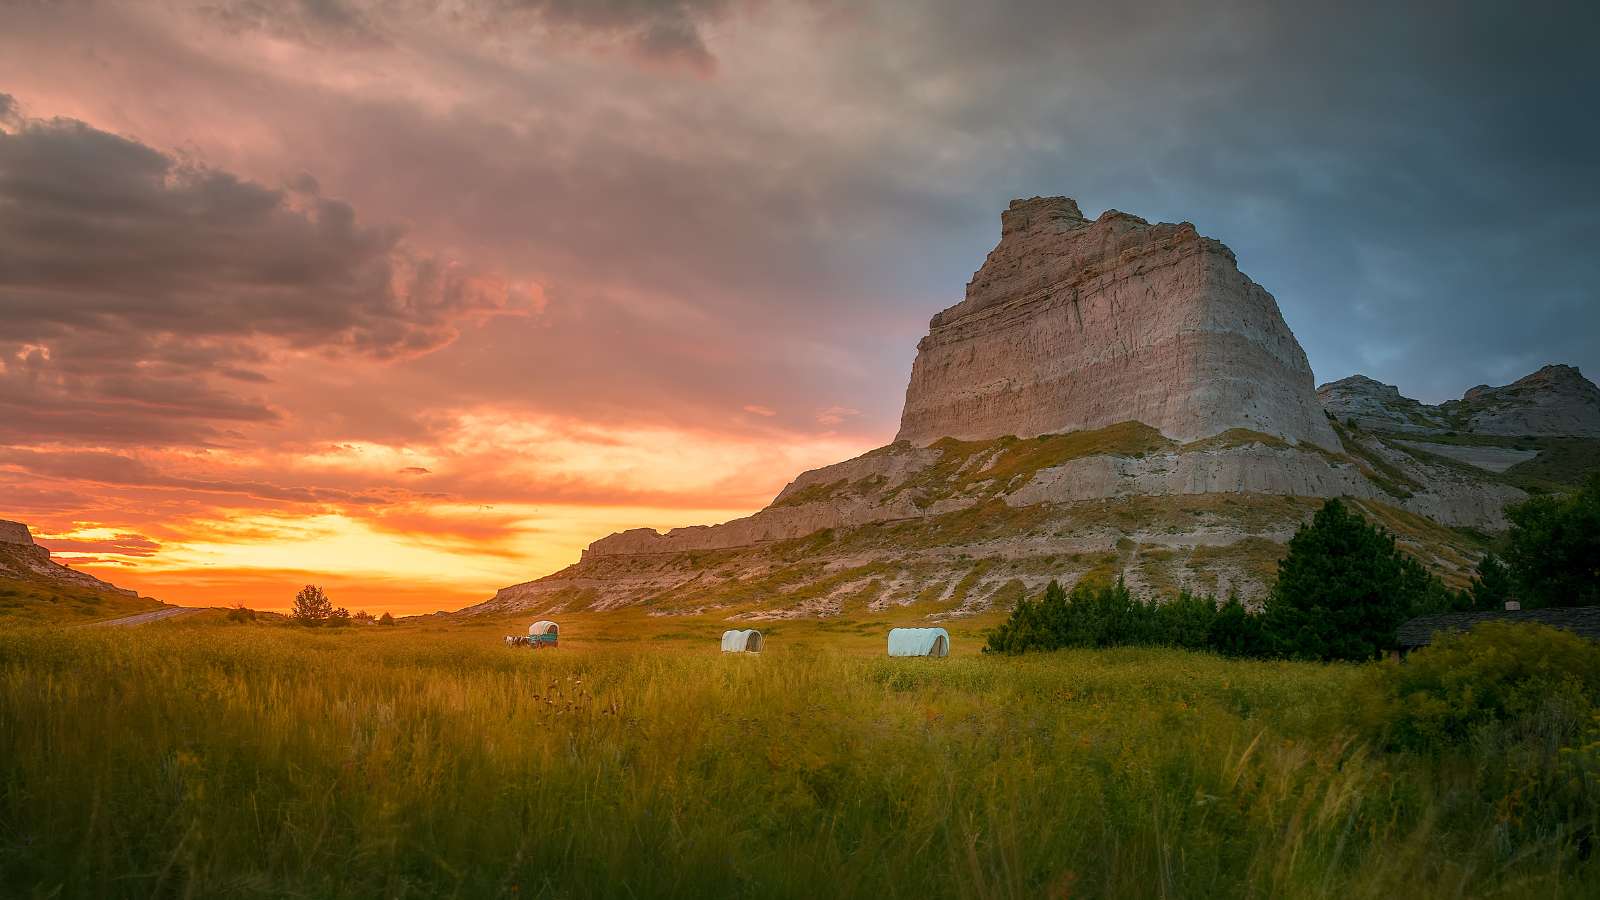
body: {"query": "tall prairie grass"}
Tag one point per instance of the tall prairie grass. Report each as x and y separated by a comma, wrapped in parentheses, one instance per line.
(213, 761)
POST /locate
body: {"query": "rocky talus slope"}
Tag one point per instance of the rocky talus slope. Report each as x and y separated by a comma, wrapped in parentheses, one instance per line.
(1111, 398)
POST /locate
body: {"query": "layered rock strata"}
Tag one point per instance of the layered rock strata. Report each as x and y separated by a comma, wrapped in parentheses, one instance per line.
(1075, 324)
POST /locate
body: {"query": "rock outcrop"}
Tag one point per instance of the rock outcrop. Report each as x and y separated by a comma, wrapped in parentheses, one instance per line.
(23, 559)
(1375, 406)
(1111, 398)
(1556, 401)
(15, 533)
(1074, 324)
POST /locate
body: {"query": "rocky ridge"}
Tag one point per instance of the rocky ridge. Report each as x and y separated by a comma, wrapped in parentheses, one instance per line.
(1111, 398)
(22, 559)
(1556, 401)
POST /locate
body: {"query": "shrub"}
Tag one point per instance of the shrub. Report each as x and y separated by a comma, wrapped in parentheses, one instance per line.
(1528, 677)
(1235, 632)
(386, 619)
(240, 614)
(1185, 621)
(1106, 615)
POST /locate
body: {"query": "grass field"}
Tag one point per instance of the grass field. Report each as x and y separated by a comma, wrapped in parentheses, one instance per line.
(428, 760)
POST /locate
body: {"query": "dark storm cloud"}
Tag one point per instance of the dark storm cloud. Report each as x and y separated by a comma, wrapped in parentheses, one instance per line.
(129, 277)
(1414, 182)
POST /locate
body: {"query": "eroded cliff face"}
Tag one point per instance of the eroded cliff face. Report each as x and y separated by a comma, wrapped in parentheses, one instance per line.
(1075, 324)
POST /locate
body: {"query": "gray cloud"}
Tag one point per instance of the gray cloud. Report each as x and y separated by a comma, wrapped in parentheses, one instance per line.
(130, 277)
(664, 31)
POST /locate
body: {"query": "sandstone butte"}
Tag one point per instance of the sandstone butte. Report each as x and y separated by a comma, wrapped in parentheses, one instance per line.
(22, 559)
(1074, 324)
(1111, 397)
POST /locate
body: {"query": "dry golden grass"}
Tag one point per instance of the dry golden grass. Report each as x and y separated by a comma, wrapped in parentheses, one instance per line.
(427, 760)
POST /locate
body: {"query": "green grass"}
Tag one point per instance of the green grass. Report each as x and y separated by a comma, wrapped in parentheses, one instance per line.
(1562, 462)
(426, 760)
(1005, 464)
(1383, 473)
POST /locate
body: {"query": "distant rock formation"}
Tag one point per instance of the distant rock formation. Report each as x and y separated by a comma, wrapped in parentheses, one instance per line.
(1112, 398)
(21, 558)
(1074, 324)
(1554, 401)
(15, 533)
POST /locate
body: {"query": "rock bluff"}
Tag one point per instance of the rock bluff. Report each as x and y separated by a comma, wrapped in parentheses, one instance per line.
(1073, 324)
(15, 533)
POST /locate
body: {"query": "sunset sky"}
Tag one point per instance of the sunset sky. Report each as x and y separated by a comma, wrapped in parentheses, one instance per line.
(415, 299)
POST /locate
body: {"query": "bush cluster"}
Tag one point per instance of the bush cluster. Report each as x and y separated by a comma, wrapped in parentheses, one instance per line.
(1535, 679)
(1341, 591)
(1109, 615)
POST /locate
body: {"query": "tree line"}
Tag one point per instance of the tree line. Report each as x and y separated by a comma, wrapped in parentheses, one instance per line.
(1341, 590)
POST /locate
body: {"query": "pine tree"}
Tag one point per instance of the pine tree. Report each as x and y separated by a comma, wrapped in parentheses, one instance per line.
(1492, 586)
(1555, 548)
(1343, 588)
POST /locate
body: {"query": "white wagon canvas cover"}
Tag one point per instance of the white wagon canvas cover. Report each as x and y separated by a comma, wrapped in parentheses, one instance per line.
(543, 626)
(746, 640)
(919, 642)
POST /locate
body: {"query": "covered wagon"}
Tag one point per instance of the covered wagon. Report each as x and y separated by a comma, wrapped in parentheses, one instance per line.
(919, 642)
(540, 634)
(543, 633)
(745, 640)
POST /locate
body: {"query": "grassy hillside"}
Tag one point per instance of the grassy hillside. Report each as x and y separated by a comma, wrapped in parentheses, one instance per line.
(427, 760)
(29, 602)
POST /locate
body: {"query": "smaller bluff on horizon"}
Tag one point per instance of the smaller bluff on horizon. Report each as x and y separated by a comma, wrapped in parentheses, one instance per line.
(1073, 324)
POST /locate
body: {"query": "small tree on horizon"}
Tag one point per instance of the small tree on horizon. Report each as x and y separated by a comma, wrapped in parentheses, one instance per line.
(386, 619)
(311, 606)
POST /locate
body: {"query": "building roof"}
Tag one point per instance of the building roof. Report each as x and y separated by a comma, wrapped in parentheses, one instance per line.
(1580, 620)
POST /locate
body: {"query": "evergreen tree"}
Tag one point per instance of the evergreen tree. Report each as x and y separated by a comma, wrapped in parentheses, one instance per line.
(1343, 588)
(1235, 632)
(1554, 552)
(1492, 585)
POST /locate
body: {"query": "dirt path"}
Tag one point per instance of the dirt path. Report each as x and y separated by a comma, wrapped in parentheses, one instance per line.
(155, 615)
